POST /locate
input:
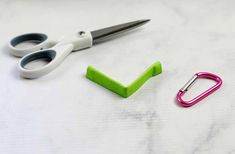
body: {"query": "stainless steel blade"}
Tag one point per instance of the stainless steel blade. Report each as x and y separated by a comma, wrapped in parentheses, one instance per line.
(105, 33)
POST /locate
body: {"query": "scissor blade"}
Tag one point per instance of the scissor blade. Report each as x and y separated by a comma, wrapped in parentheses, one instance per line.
(102, 34)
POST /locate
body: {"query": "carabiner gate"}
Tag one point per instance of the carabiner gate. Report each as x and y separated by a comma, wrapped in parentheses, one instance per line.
(185, 88)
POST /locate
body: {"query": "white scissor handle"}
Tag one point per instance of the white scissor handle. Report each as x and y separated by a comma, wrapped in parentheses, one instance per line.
(54, 55)
(39, 40)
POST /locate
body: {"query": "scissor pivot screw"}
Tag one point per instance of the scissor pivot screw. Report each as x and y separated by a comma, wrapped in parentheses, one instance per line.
(81, 33)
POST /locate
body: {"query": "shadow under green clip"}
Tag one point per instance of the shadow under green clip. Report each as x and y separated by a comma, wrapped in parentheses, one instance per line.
(118, 88)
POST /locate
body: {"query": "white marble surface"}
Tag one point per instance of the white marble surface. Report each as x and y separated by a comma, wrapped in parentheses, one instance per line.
(64, 112)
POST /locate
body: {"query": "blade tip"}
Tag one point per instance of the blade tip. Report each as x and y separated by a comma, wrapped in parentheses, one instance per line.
(146, 20)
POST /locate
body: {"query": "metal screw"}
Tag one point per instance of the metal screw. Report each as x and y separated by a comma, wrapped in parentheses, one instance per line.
(81, 33)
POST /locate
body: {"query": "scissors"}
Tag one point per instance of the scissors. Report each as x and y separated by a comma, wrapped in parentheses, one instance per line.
(54, 52)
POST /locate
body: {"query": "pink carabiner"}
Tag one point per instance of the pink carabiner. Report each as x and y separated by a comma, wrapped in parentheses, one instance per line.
(183, 90)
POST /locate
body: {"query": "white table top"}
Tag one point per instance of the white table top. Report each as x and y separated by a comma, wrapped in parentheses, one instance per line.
(63, 112)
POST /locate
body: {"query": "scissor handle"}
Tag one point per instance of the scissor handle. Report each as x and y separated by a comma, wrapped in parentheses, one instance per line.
(54, 55)
(40, 39)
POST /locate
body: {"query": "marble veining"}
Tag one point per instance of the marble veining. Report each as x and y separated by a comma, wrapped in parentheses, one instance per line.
(63, 112)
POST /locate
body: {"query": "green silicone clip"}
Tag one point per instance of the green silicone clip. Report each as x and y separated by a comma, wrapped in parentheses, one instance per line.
(118, 88)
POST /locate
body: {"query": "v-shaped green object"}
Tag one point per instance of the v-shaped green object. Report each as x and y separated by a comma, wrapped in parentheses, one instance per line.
(115, 86)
